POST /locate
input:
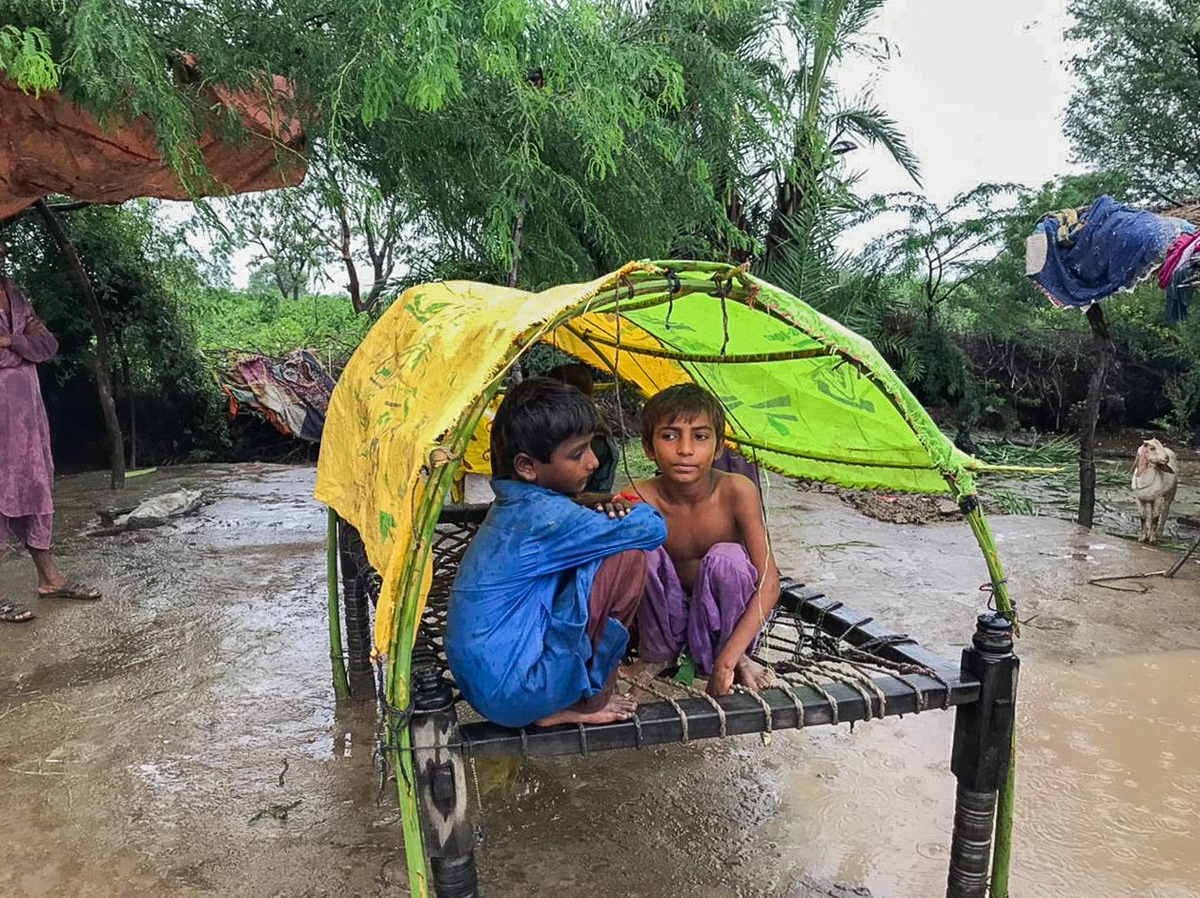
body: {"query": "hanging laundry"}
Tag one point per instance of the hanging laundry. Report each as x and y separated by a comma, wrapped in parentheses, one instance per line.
(1178, 253)
(1068, 224)
(1180, 291)
(1112, 247)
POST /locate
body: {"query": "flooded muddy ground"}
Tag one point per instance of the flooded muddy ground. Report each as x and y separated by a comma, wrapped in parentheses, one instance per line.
(181, 738)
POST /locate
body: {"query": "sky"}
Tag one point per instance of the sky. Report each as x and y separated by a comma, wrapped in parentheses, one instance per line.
(979, 89)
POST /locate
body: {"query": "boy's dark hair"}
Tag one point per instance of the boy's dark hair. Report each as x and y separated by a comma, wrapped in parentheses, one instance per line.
(536, 416)
(576, 375)
(681, 401)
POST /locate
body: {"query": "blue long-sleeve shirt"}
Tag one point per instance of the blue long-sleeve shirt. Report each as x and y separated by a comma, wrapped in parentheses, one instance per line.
(516, 634)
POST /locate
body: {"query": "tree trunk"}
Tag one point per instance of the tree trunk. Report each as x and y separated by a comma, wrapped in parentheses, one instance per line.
(1103, 354)
(518, 230)
(101, 362)
(131, 404)
(787, 205)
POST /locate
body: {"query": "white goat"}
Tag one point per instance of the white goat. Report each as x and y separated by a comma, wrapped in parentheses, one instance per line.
(1154, 482)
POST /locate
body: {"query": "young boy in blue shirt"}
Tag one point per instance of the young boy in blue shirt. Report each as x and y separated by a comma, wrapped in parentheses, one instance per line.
(713, 585)
(545, 593)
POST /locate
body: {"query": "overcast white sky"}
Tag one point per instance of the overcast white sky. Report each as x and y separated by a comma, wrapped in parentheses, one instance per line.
(979, 89)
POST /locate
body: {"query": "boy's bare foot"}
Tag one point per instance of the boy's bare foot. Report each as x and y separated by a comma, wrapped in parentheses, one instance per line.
(639, 675)
(752, 675)
(619, 707)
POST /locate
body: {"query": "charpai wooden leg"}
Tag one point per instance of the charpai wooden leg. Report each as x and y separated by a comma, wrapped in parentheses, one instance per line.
(356, 599)
(441, 779)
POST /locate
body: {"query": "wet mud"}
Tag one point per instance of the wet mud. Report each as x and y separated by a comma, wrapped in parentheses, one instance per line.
(181, 738)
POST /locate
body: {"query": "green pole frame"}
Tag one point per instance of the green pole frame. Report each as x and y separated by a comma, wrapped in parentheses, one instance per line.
(341, 685)
(444, 462)
(1002, 849)
(398, 730)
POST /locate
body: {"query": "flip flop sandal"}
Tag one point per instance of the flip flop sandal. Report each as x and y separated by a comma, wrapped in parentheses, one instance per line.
(12, 613)
(79, 591)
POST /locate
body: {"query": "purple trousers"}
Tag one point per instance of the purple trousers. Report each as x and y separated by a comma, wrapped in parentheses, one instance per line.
(669, 620)
(32, 529)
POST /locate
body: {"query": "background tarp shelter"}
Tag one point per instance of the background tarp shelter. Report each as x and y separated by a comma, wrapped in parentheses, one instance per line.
(805, 397)
(49, 145)
(290, 392)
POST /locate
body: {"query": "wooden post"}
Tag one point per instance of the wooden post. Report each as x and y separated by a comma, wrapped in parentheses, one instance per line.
(102, 360)
(1103, 356)
(442, 787)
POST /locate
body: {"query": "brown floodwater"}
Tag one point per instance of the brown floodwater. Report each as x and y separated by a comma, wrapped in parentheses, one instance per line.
(180, 737)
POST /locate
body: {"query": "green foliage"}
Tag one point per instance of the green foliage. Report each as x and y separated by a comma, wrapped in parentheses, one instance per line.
(1136, 91)
(25, 58)
(262, 322)
(944, 249)
(1182, 386)
(1056, 451)
(337, 216)
(512, 140)
(1001, 500)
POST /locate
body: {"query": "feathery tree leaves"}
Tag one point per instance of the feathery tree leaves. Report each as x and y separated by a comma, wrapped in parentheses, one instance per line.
(813, 196)
(1135, 108)
(25, 58)
(943, 249)
(568, 136)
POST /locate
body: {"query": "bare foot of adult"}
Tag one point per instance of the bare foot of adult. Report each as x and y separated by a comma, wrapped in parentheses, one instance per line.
(66, 590)
(53, 583)
(14, 612)
(752, 675)
(619, 707)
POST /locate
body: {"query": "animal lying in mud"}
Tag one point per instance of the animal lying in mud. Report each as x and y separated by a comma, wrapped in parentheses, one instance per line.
(1155, 478)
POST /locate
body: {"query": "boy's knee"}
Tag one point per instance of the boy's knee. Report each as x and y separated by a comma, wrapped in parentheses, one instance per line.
(728, 555)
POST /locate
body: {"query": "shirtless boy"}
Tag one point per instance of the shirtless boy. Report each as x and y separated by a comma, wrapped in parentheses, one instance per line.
(712, 586)
(545, 593)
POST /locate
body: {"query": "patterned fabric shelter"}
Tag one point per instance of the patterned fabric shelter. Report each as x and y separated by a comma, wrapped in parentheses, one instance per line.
(806, 396)
(52, 145)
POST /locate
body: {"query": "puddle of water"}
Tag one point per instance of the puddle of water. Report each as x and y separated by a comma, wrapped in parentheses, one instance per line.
(1108, 801)
(1109, 778)
(875, 807)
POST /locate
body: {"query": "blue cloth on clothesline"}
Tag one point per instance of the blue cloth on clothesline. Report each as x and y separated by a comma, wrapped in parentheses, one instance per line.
(1114, 249)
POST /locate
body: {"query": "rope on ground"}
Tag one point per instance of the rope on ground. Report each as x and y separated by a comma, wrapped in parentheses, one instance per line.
(1104, 582)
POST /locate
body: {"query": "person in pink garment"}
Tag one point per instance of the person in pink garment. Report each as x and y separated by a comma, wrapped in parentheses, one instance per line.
(26, 467)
